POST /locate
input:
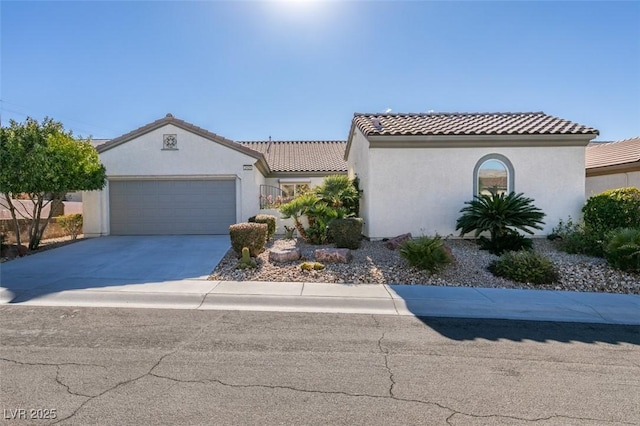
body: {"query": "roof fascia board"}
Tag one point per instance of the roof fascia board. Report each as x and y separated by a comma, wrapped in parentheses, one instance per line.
(349, 140)
(304, 174)
(263, 166)
(616, 168)
(473, 141)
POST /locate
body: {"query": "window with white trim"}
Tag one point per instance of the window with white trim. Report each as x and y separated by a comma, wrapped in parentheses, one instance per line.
(292, 189)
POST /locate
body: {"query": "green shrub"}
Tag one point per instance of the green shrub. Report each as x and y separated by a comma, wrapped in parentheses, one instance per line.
(623, 249)
(346, 233)
(269, 220)
(613, 209)
(574, 237)
(336, 198)
(246, 261)
(250, 235)
(524, 267)
(71, 224)
(500, 215)
(509, 241)
(426, 253)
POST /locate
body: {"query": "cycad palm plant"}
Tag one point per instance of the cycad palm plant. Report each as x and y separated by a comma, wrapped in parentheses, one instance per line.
(500, 215)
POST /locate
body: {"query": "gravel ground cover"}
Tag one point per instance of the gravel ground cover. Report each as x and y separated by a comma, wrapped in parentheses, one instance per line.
(373, 263)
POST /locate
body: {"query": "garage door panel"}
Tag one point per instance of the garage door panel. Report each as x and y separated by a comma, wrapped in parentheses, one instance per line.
(166, 207)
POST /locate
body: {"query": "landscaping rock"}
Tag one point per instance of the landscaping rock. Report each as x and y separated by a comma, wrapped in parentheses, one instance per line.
(284, 255)
(395, 242)
(373, 263)
(333, 255)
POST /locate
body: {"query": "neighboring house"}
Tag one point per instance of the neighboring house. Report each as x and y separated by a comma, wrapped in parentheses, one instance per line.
(296, 166)
(417, 170)
(171, 177)
(611, 165)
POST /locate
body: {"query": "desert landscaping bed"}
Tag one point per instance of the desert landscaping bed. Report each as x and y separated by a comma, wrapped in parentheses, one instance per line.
(373, 263)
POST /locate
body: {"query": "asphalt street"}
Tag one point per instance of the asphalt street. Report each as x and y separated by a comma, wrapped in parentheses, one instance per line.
(86, 366)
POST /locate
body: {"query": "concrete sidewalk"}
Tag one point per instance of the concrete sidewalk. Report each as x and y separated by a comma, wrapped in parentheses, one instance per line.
(457, 302)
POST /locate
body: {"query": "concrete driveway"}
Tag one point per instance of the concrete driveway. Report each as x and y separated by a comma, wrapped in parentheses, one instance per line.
(118, 263)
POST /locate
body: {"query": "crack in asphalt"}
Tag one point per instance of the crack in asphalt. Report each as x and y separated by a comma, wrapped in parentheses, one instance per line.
(67, 387)
(385, 353)
(539, 419)
(148, 373)
(364, 395)
(51, 364)
(58, 366)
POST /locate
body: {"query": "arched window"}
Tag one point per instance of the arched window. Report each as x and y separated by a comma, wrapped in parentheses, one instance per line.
(493, 174)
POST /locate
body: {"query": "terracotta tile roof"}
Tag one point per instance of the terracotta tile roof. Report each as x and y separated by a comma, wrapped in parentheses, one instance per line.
(97, 142)
(602, 154)
(461, 124)
(302, 156)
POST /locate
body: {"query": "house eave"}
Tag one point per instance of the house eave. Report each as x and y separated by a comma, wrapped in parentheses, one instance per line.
(349, 141)
(262, 164)
(302, 174)
(476, 141)
(613, 169)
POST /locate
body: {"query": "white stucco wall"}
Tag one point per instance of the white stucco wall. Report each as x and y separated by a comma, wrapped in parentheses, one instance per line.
(196, 156)
(421, 190)
(598, 184)
(95, 213)
(358, 166)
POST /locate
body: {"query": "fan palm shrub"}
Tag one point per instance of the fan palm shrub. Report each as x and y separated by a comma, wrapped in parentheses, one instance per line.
(297, 208)
(501, 216)
(339, 192)
(336, 198)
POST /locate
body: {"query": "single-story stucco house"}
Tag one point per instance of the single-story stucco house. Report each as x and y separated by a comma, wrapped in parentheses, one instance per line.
(415, 171)
(172, 177)
(612, 165)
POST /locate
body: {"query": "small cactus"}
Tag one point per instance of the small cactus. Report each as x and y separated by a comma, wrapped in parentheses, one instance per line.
(309, 266)
(246, 261)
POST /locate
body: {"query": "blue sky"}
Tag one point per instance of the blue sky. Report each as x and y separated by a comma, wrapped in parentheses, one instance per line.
(299, 70)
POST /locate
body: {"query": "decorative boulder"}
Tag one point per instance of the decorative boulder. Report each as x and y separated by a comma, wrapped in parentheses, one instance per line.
(395, 242)
(332, 255)
(284, 255)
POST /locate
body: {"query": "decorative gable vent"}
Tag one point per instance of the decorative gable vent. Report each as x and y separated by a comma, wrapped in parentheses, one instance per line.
(170, 142)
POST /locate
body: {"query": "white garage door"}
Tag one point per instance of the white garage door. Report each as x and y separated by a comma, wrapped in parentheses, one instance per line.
(171, 207)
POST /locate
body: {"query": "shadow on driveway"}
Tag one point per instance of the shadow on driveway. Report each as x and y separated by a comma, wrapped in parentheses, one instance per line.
(113, 261)
(537, 331)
